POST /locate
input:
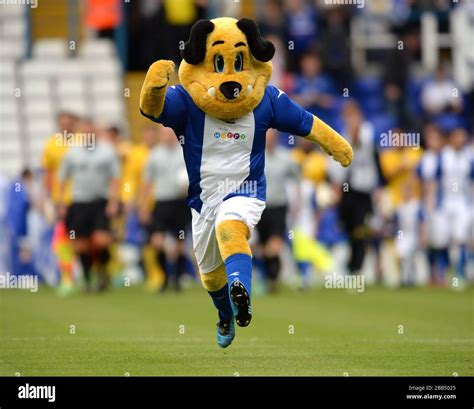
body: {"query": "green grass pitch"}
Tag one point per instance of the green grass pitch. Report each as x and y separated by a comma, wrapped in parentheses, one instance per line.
(320, 332)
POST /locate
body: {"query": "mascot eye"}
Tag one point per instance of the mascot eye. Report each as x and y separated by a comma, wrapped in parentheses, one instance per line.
(219, 63)
(239, 62)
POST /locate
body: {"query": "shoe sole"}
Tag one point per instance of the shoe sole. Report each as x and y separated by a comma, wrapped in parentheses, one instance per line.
(241, 299)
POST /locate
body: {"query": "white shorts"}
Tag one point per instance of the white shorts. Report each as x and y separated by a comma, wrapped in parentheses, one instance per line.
(247, 209)
(438, 229)
(407, 247)
(450, 225)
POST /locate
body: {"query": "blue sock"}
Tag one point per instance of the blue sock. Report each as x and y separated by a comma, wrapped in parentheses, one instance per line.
(221, 301)
(304, 268)
(462, 261)
(239, 266)
(442, 262)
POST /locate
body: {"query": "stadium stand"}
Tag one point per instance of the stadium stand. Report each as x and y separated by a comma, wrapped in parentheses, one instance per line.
(12, 36)
(34, 90)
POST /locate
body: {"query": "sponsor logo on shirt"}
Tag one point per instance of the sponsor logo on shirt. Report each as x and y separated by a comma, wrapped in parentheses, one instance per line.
(229, 135)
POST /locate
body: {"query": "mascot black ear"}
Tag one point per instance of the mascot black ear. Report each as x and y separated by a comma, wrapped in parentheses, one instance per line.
(195, 48)
(261, 49)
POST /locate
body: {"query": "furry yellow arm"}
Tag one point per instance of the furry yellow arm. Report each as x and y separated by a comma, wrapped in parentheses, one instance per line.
(331, 142)
(152, 95)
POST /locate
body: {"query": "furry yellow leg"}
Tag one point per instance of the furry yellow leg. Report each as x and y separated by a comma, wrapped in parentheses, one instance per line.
(232, 237)
(214, 280)
(331, 142)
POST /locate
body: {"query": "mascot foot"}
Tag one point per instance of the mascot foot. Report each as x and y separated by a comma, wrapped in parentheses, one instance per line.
(225, 333)
(240, 303)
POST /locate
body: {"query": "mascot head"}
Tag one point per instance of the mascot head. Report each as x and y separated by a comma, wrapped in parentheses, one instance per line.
(226, 66)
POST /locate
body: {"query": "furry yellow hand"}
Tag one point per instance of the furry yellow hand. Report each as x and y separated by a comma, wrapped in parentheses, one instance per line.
(158, 74)
(331, 142)
(152, 95)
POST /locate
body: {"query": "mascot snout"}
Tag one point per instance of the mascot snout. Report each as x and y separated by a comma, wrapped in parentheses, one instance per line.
(230, 89)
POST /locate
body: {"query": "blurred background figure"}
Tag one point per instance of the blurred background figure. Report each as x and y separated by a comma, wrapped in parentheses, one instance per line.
(408, 221)
(398, 165)
(20, 202)
(440, 94)
(336, 47)
(165, 178)
(93, 169)
(271, 19)
(301, 30)
(312, 89)
(433, 243)
(54, 150)
(280, 170)
(151, 20)
(453, 195)
(138, 257)
(102, 17)
(397, 74)
(358, 183)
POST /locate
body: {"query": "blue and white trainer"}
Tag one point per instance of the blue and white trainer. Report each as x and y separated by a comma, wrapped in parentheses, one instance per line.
(225, 333)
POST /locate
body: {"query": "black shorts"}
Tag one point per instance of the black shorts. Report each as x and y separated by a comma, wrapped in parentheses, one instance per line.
(86, 218)
(272, 223)
(170, 216)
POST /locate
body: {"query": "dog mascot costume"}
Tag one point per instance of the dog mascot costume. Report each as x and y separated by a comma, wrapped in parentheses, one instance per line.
(221, 112)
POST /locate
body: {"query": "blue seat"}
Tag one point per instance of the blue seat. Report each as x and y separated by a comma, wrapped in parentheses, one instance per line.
(382, 122)
(367, 86)
(413, 93)
(448, 121)
(368, 90)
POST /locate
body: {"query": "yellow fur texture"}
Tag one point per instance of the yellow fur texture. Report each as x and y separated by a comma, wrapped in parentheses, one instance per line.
(214, 280)
(152, 95)
(331, 142)
(232, 238)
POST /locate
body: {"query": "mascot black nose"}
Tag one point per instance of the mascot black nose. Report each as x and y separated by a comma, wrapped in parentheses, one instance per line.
(230, 89)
